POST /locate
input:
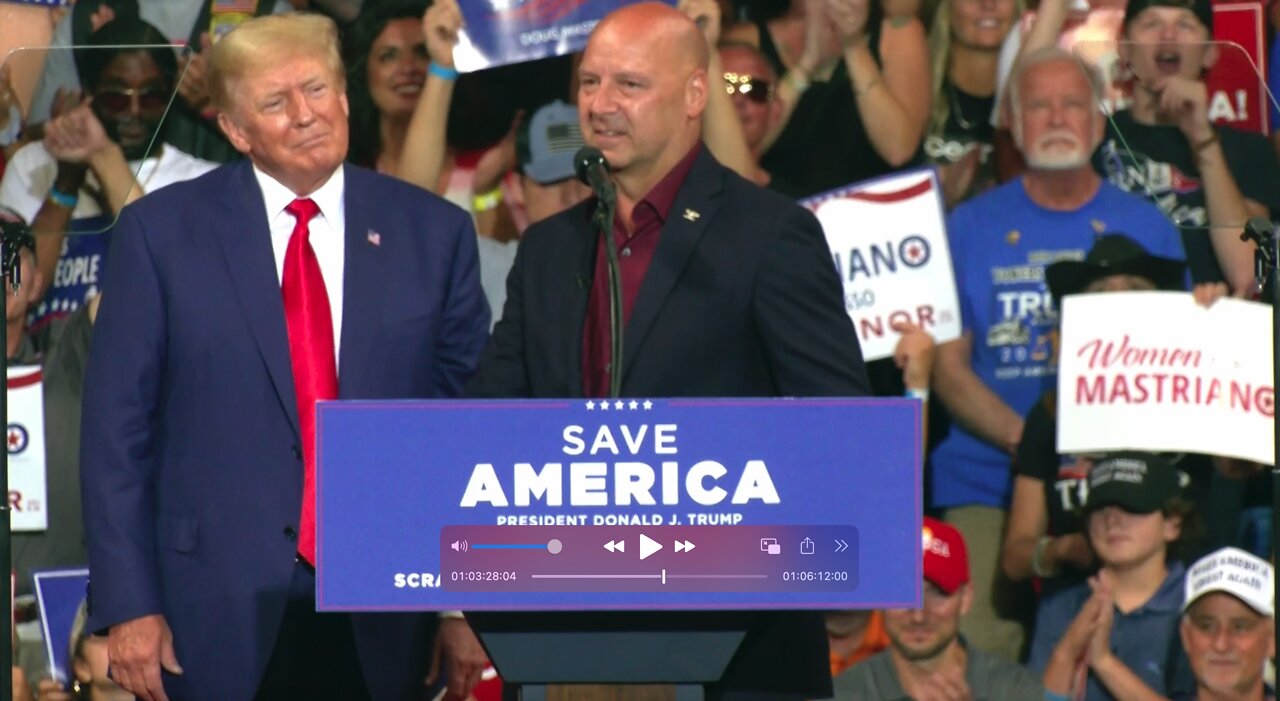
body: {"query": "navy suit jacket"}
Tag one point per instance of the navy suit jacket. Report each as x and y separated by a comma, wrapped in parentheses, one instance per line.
(741, 299)
(191, 462)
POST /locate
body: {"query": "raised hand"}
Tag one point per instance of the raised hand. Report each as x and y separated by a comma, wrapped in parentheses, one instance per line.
(913, 354)
(76, 136)
(706, 14)
(441, 24)
(192, 85)
(849, 18)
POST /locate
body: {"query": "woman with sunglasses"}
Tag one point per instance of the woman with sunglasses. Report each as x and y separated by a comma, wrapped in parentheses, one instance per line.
(964, 44)
(105, 150)
(848, 114)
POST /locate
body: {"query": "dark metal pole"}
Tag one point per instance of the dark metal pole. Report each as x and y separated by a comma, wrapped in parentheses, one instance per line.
(1260, 230)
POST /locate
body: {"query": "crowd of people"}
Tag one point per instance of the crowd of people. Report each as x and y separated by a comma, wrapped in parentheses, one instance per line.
(143, 169)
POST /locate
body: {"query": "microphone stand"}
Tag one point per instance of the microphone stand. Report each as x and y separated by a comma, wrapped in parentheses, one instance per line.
(16, 236)
(607, 205)
(1260, 231)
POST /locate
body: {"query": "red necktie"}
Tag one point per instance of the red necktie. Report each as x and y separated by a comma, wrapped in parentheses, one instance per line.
(315, 370)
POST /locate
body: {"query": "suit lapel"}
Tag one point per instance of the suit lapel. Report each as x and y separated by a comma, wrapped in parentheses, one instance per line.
(694, 208)
(360, 282)
(584, 270)
(245, 239)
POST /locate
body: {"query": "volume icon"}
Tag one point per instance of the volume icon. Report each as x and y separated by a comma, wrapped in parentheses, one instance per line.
(459, 546)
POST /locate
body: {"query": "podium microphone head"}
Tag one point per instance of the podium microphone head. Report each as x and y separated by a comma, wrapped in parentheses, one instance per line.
(587, 159)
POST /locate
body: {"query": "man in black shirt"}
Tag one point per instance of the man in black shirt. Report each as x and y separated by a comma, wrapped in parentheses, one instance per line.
(1208, 179)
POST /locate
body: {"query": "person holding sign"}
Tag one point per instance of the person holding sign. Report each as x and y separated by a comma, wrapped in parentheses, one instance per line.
(1045, 537)
(727, 289)
(237, 302)
(1001, 242)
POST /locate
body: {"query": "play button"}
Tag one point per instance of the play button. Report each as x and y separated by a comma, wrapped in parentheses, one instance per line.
(648, 546)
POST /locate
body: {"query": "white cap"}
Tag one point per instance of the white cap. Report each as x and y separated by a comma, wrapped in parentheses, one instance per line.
(1233, 571)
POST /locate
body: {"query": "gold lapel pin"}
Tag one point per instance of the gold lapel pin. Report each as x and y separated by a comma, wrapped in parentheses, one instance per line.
(1012, 237)
(691, 215)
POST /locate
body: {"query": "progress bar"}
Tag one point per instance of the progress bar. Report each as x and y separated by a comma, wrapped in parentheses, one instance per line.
(661, 576)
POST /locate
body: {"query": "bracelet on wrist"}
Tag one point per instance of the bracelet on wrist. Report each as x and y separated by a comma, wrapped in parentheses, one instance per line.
(1037, 558)
(63, 199)
(1213, 139)
(442, 72)
(487, 201)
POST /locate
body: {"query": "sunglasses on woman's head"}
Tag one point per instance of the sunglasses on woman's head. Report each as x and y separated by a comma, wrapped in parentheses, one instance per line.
(755, 89)
(120, 100)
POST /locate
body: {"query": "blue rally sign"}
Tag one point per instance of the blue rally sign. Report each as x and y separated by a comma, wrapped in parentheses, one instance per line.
(622, 504)
(501, 32)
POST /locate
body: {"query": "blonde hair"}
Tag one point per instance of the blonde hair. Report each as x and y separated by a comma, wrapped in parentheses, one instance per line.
(940, 52)
(271, 40)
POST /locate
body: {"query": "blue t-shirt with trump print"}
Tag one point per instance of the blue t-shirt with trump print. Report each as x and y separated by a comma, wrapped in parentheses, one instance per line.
(1001, 243)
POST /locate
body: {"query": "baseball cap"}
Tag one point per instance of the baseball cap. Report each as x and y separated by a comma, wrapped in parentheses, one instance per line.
(946, 560)
(1140, 483)
(1203, 10)
(545, 148)
(1235, 572)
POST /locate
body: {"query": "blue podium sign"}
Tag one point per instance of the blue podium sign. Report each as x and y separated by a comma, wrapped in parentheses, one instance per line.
(623, 504)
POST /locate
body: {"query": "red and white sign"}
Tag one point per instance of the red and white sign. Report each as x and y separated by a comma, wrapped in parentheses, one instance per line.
(1155, 371)
(28, 492)
(889, 245)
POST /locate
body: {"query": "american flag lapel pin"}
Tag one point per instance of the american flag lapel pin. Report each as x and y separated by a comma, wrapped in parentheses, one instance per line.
(374, 238)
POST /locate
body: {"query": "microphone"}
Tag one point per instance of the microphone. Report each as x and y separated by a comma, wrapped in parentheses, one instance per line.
(592, 169)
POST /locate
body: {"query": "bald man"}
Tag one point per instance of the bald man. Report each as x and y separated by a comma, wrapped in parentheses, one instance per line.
(728, 289)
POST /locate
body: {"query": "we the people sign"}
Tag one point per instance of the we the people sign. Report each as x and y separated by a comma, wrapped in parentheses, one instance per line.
(1155, 371)
(889, 245)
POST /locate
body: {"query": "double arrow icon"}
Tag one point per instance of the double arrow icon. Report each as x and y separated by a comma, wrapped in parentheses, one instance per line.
(684, 546)
(616, 546)
(841, 546)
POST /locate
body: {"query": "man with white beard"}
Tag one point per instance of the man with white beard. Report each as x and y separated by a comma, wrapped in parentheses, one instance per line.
(1001, 242)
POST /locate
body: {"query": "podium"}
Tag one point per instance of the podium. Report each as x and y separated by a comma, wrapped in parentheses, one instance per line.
(626, 550)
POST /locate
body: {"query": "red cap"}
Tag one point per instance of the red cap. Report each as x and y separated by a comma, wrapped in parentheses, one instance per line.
(946, 560)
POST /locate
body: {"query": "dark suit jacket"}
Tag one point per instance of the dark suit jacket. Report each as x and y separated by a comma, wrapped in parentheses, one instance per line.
(741, 299)
(192, 473)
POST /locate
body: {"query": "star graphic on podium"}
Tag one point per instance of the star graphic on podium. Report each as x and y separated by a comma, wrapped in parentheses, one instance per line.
(633, 405)
(604, 406)
(618, 405)
(648, 405)
(591, 406)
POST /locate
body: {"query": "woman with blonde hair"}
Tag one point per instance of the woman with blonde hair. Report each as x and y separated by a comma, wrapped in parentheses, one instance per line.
(964, 45)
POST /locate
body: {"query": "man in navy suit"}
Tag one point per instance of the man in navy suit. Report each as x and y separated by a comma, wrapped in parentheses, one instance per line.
(235, 302)
(727, 290)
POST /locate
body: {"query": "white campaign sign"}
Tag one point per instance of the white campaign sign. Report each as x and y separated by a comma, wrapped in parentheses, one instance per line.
(889, 244)
(1155, 371)
(28, 493)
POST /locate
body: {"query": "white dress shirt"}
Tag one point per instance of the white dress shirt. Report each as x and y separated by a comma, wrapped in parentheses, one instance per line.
(328, 230)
